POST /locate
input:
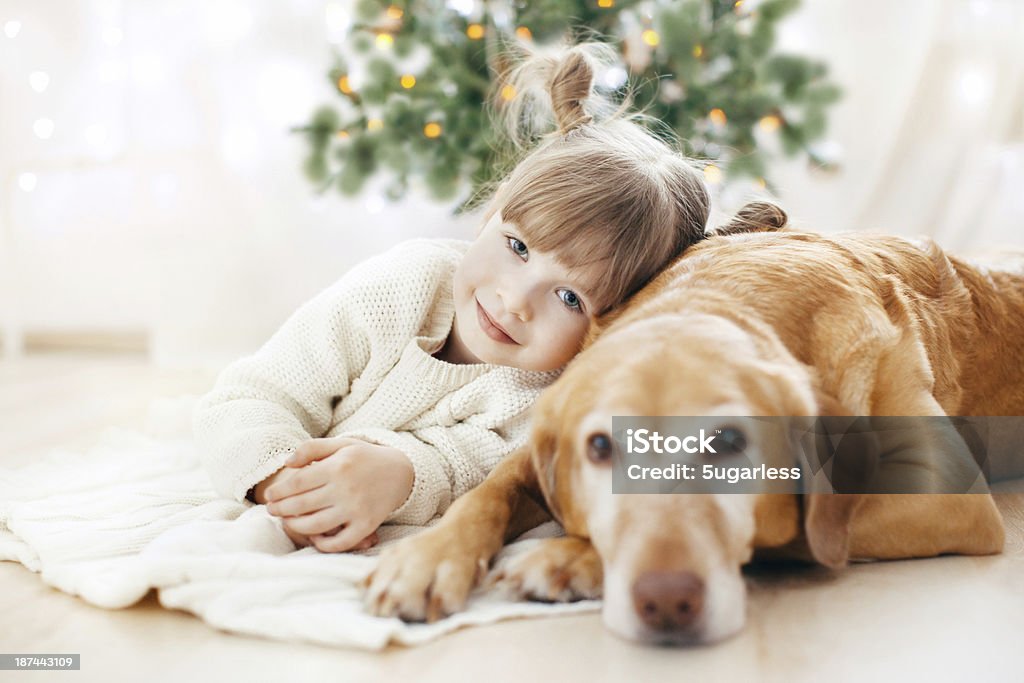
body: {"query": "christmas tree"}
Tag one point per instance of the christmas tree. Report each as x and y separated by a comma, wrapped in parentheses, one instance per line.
(415, 76)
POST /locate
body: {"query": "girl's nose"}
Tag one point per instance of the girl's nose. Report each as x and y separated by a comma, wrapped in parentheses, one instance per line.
(516, 300)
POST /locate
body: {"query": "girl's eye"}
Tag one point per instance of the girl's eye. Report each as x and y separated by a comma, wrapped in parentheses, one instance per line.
(570, 299)
(518, 248)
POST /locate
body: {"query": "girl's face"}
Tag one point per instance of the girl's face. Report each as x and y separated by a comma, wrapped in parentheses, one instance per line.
(515, 306)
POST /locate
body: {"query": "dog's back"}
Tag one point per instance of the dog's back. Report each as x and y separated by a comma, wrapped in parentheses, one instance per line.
(993, 381)
(820, 292)
(969, 313)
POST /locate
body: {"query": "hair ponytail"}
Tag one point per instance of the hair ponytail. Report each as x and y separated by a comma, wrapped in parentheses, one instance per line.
(569, 88)
(754, 217)
(544, 91)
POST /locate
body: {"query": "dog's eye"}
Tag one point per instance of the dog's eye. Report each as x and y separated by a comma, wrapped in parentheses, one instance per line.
(599, 448)
(730, 440)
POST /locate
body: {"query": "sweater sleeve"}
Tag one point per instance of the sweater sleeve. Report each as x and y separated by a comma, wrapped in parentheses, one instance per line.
(448, 460)
(265, 405)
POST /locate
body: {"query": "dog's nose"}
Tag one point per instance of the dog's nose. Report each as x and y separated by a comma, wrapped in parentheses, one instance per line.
(668, 601)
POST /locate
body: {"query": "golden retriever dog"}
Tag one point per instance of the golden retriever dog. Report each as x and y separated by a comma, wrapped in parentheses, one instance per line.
(749, 324)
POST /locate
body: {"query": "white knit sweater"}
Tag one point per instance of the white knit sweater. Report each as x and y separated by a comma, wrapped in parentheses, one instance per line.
(356, 361)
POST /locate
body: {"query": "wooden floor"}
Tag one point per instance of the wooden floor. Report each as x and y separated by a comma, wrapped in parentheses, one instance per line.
(952, 618)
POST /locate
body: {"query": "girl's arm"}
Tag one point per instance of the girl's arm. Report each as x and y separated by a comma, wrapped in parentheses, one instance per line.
(450, 460)
(263, 406)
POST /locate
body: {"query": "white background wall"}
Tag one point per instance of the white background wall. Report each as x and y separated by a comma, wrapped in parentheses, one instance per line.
(168, 196)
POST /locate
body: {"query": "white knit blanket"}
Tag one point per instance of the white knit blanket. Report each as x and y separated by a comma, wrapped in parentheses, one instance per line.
(137, 512)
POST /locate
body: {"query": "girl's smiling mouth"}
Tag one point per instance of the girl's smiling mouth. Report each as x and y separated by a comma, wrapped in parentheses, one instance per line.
(491, 328)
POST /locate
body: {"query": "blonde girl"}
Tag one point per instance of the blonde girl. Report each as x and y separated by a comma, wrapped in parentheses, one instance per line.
(401, 386)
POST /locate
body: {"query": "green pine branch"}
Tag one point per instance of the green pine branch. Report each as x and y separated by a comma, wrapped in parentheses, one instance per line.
(713, 77)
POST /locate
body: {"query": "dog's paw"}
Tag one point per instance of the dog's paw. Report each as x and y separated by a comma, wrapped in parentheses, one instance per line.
(555, 570)
(422, 578)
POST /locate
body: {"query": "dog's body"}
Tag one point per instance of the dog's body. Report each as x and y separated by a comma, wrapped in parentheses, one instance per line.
(757, 324)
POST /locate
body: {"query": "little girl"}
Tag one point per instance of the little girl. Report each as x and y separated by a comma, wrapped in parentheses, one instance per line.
(401, 386)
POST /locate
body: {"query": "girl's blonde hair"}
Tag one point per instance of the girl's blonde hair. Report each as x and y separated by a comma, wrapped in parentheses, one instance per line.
(600, 189)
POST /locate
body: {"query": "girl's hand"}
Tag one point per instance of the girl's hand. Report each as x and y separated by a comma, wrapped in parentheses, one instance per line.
(302, 541)
(339, 491)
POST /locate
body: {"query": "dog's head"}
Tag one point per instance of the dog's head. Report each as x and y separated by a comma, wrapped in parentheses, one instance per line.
(672, 562)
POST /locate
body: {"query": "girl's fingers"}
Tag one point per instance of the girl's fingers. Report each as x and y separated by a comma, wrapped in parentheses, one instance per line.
(299, 540)
(319, 522)
(367, 542)
(303, 503)
(348, 538)
(316, 449)
(296, 482)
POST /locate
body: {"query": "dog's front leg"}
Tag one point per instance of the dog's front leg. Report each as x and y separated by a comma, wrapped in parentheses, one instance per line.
(429, 576)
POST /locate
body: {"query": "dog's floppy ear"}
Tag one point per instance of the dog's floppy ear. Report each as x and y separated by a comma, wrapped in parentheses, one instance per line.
(848, 449)
(844, 444)
(827, 522)
(544, 458)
